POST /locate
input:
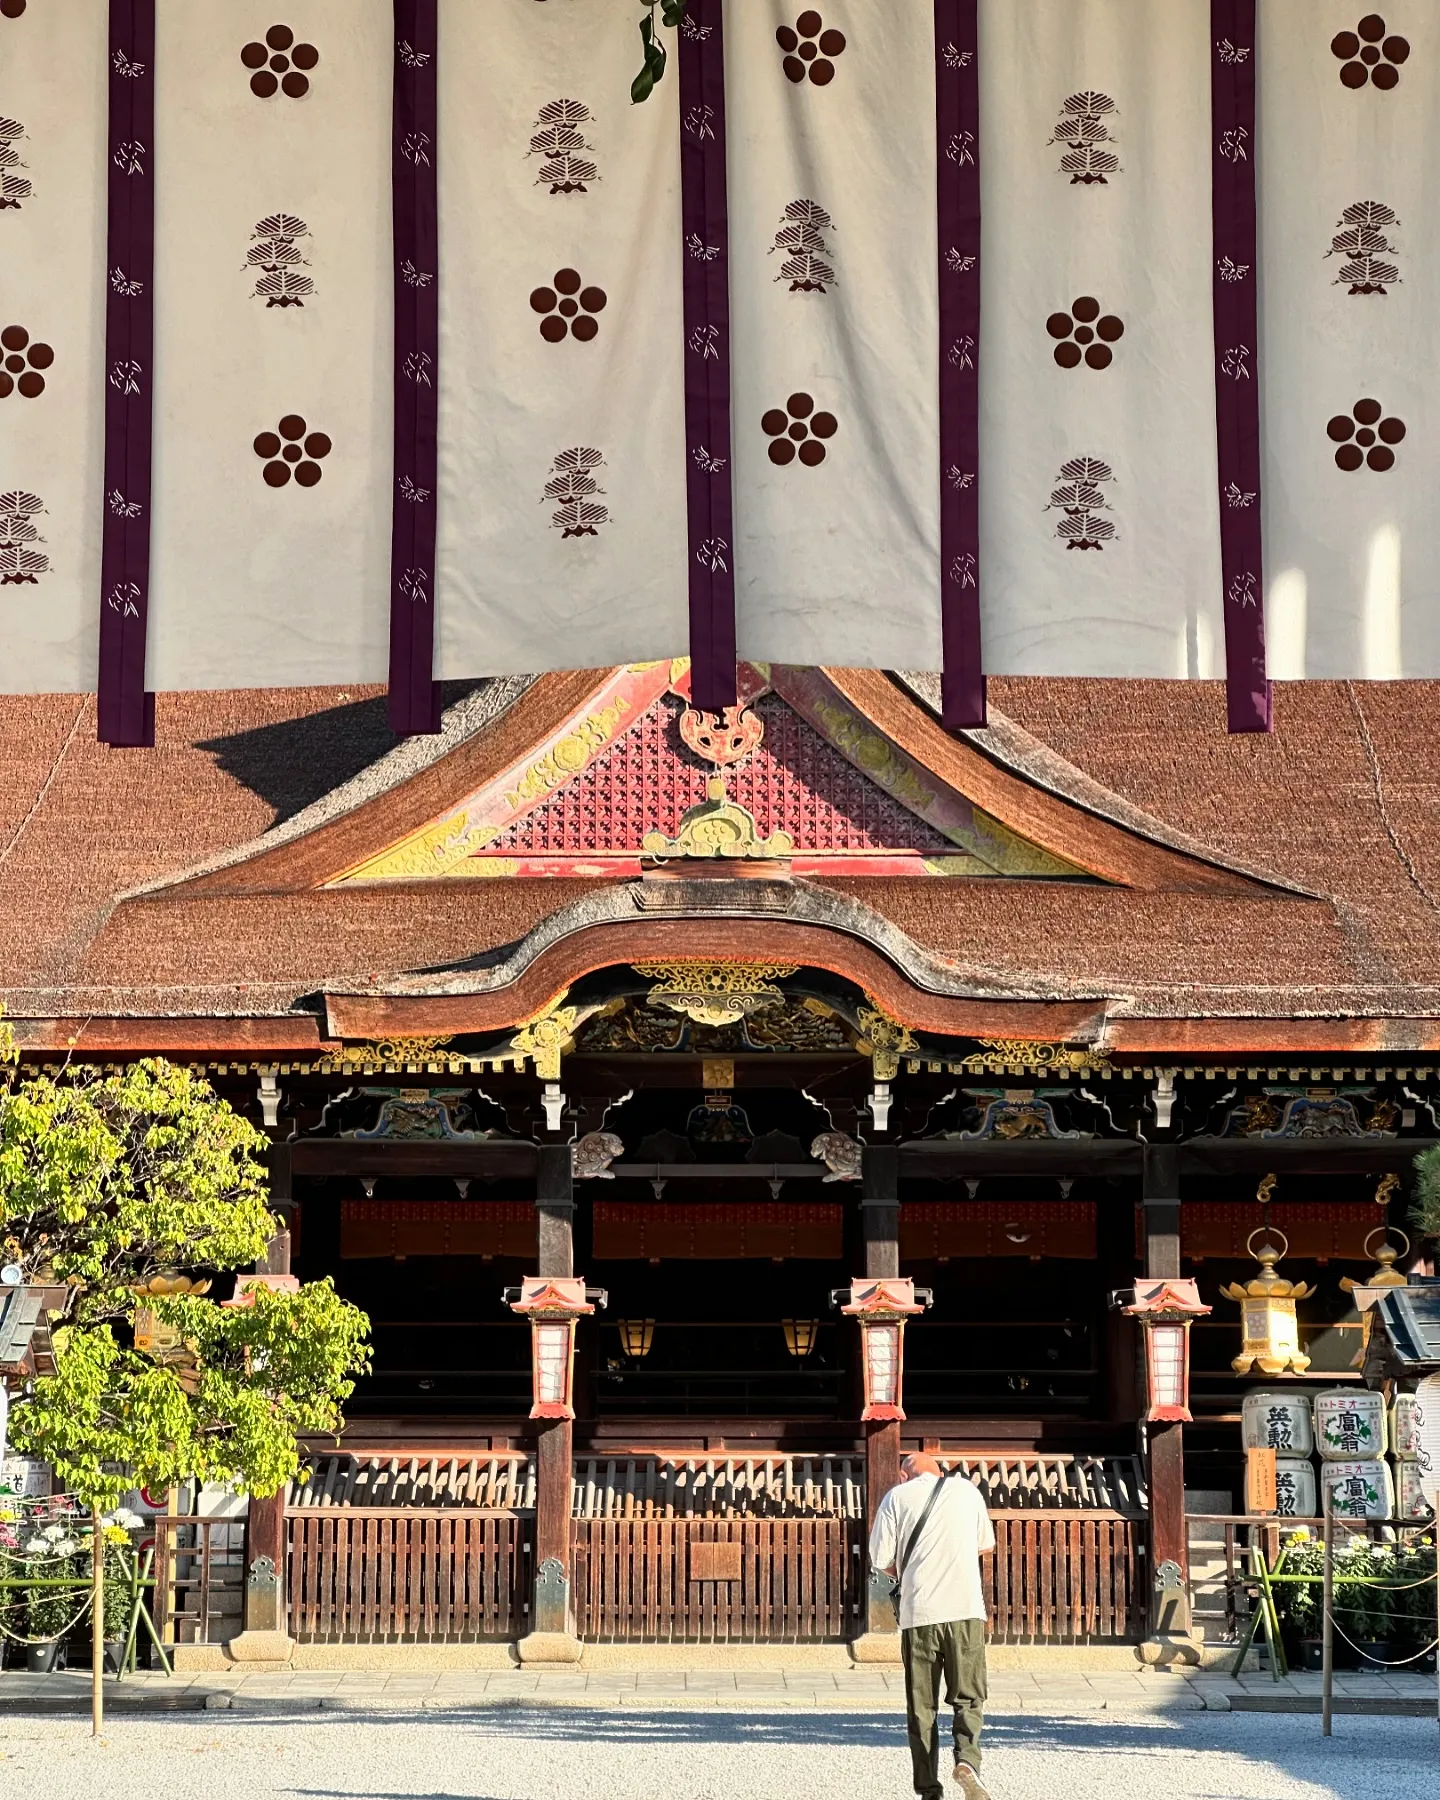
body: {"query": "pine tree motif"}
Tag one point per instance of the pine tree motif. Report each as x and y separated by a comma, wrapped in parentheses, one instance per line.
(801, 239)
(276, 253)
(571, 485)
(559, 137)
(14, 189)
(19, 562)
(1079, 497)
(1082, 128)
(1364, 243)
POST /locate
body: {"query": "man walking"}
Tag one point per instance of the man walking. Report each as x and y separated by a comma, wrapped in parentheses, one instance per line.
(930, 1533)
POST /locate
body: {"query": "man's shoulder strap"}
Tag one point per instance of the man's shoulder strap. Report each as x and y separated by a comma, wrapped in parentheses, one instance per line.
(921, 1522)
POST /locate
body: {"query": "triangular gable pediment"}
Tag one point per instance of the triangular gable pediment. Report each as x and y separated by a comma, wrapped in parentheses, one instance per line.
(848, 799)
(571, 772)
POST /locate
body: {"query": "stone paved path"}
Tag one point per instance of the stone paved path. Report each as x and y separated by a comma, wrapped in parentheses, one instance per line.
(878, 1689)
(525, 1752)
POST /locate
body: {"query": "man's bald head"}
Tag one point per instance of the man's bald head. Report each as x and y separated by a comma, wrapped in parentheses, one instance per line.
(919, 1465)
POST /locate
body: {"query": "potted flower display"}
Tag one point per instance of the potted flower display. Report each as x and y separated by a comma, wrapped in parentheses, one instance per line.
(1300, 1602)
(120, 1580)
(1363, 1609)
(51, 1554)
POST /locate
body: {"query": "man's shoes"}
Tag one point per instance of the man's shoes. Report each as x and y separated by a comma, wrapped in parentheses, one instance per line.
(968, 1782)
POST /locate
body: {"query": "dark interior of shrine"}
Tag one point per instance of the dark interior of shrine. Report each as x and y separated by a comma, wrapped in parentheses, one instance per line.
(720, 1339)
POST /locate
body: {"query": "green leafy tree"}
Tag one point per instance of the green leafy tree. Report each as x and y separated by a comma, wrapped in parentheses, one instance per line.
(108, 1182)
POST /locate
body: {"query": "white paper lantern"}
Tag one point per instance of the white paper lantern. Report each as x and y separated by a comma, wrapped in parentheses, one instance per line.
(1276, 1419)
(1350, 1423)
(1361, 1489)
(1402, 1428)
(1427, 1436)
(1295, 1496)
(1410, 1499)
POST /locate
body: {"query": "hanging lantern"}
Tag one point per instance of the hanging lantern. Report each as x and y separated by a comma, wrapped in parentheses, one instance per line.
(1383, 1275)
(636, 1337)
(552, 1303)
(1270, 1331)
(882, 1307)
(1165, 1309)
(1427, 1437)
(800, 1335)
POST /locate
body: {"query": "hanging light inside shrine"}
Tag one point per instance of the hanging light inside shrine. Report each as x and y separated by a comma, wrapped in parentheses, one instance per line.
(1165, 1309)
(800, 1335)
(636, 1337)
(1269, 1328)
(552, 1303)
(881, 1306)
(1384, 1275)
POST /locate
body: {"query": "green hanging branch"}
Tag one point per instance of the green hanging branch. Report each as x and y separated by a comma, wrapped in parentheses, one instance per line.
(652, 69)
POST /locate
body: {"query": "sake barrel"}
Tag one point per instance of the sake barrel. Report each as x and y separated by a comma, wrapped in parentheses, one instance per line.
(1277, 1419)
(1360, 1489)
(1295, 1496)
(1410, 1499)
(1350, 1423)
(1427, 1436)
(1403, 1443)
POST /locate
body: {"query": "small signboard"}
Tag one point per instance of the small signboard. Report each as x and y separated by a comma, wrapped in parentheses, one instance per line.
(716, 1562)
(1260, 1481)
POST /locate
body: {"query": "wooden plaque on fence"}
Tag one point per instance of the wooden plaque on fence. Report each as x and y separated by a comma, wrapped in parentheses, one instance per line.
(715, 1562)
(1260, 1481)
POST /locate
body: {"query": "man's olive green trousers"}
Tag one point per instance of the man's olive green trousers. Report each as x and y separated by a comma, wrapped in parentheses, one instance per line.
(954, 1653)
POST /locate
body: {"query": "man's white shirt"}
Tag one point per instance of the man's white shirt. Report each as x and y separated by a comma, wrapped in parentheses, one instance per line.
(941, 1580)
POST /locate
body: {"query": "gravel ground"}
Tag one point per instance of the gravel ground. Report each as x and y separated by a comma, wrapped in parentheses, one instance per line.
(518, 1753)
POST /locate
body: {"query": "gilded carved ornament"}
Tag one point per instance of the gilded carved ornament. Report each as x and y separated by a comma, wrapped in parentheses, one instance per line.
(1062, 1058)
(392, 1050)
(714, 993)
(884, 1041)
(718, 826)
(546, 1037)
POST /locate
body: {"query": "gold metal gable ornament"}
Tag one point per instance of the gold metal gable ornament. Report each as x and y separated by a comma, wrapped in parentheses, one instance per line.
(718, 826)
(714, 993)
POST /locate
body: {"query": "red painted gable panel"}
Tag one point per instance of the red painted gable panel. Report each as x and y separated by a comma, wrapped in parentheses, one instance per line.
(793, 782)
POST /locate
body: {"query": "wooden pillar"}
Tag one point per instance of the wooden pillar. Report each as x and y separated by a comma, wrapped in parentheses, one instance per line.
(555, 1210)
(551, 1637)
(276, 1260)
(1169, 1554)
(266, 1635)
(880, 1217)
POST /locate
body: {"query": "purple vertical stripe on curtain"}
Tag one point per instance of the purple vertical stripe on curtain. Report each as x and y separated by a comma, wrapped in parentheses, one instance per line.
(957, 186)
(414, 696)
(705, 227)
(1233, 51)
(126, 713)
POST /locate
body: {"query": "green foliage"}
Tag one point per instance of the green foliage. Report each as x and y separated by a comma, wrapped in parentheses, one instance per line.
(1299, 1603)
(105, 1181)
(108, 1181)
(110, 1418)
(652, 68)
(1425, 1214)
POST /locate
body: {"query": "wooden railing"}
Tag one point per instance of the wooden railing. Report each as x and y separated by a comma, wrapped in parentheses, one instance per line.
(1065, 1578)
(199, 1578)
(717, 1581)
(405, 1574)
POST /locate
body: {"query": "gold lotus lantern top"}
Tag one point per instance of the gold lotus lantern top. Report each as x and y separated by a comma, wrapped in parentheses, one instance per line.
(1270, 1331)
(1384, 1275)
